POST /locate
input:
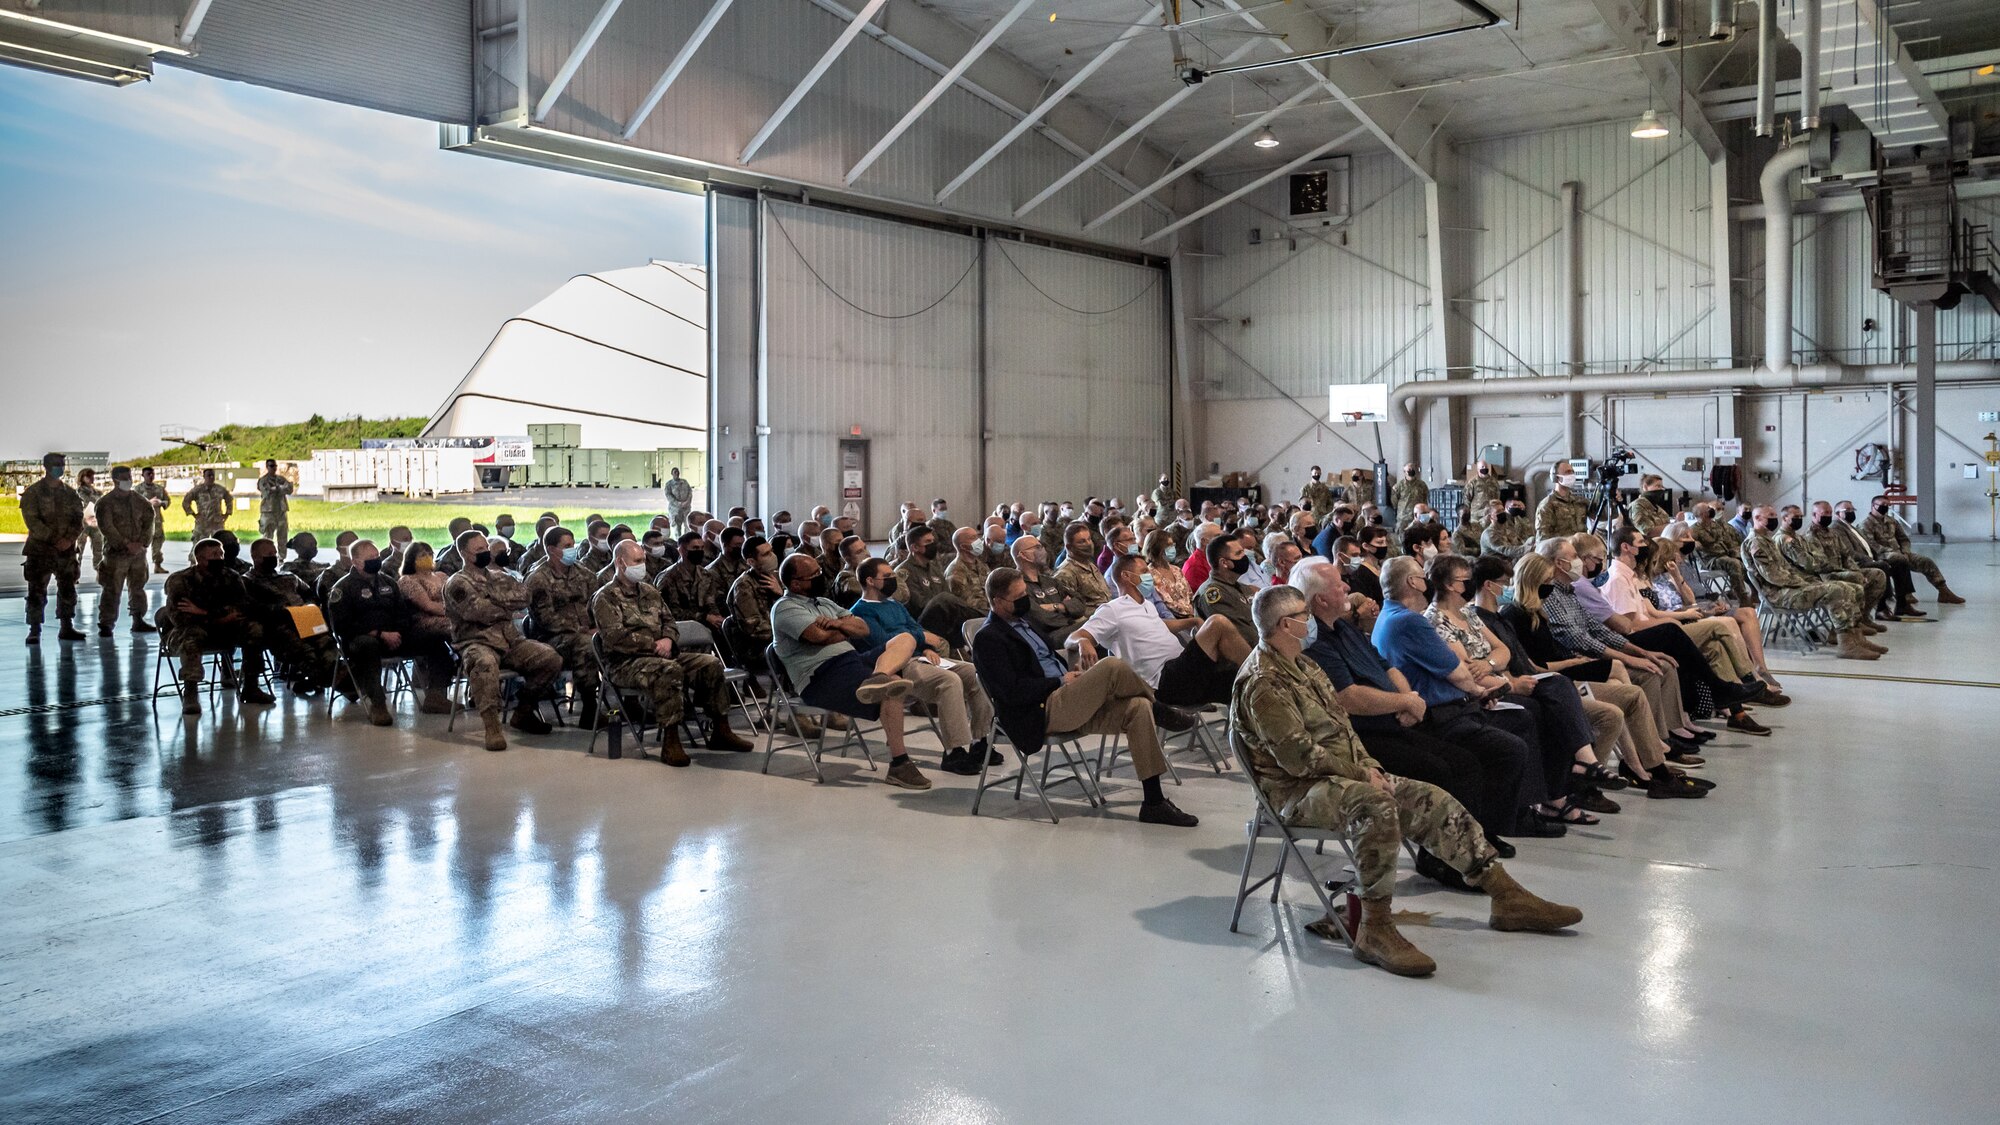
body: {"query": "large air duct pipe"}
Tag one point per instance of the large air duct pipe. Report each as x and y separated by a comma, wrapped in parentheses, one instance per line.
(1775, 183)
(1666, 22)
(1767, 67)
(1809, 68)
(1721, 19)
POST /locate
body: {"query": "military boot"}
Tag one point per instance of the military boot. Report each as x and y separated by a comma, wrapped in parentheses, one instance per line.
(586, 713)
(435, 702)
(1946, 597)
(671, 751)
(378, 710)
(68, 632)
(190, 699)
(720, 737)
(1853, 647)
(1516, 909)
(103, 628)
(527, 719)
(34, 634)
(496, 739)
(141, 625)
(1378, 942)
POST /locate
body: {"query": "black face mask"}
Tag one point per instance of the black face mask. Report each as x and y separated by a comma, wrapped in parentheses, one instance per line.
(1659, 496)
(1500, 517)
(1484, 472)
(1771, 524)
(1240, 566)
(483, 559)
(889, 586)
(212, 566)
(267, 564)
(1379, 553)
(1021, 606)
(816, 587)
(1545, 589)
(928, 552)
(1792, 523)
(306, 553)
(372, 566)
(1424, 588)
(1824, 521)
(1881, 509)
(1847, 515)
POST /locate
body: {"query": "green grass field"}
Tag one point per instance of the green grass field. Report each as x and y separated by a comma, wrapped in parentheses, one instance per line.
(292, 441)
(427, 520)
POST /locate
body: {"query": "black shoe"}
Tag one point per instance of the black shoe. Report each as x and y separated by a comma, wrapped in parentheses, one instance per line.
(1438, 871)
(1500, 847)
(1165, 812)
(528, 720)
(251, 693)
(68, 633)
(1701, 736)
(992, 756)
(1172, 718)
(141, 625)
(103, 630)
(1666, 785)
(34, 634)
(961, 762)
(1699, 783)
(1531, 825)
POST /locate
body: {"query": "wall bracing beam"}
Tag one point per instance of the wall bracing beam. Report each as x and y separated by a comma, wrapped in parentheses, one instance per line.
(673, 72)
(818, 71)
(1202, 157)
(937, 90)
(574, 62)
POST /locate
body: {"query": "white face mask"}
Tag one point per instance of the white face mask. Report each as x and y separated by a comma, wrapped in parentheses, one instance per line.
(1574, 567)
(636, 572)
(1430, 552)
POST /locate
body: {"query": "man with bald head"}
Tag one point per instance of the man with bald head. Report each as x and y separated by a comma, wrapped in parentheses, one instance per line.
(641, 643)
(966, 576)
(368, 614)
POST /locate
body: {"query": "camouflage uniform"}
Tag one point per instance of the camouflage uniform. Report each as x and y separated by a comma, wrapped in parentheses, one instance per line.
(967, 579)
(1787, 588)
(1078, 579)
(482, 605)
(53, 513)
(1164, 498)
(92, 532)
(1306, 759)
(306, 572)
(847, 586)
(1648, 517)
(1405, 496)
(1718, 546)
(944, 528)
(690, 592)
(750, 603)
(680, 501)
(274, 507)
(630, 619)
(188, 636)
(1560, 515)
(921, 586)
(559, 617)
(210, 505)
(1465, 540)
(727, 569)
(1316, 496)
(1890, 542)
(1507, 538)
(124, 518)
(1479, 491)
(156, 495)
(311, 661)
(1820, 554)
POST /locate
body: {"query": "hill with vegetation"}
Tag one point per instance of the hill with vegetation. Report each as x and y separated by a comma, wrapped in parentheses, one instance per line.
(293, 441)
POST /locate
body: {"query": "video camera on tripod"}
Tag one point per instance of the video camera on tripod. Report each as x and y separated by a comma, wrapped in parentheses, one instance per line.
(1618, 463)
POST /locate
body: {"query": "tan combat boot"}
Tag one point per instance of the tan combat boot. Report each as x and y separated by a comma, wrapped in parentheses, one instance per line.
(1516, 909)
(1946, 597)
(720, 737)
(1378, 942)
(496, 739)
(435, 702)
(671, 751)
(378, 711)
(1852, 647)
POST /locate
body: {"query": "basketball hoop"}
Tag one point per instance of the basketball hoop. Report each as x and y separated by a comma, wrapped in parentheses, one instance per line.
(1351, 418)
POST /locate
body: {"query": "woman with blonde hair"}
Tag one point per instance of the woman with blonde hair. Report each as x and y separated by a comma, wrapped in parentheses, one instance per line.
(1660, 569)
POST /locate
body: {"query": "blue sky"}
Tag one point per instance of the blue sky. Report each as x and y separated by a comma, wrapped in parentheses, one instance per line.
(194, 251)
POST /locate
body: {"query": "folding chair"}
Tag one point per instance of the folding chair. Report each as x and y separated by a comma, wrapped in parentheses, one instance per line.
(396, 673)
(1052, 774)
(1802, 630)
(697, 637)
(214, 662)
(612, 708)
(1265, 824)
(786, 708)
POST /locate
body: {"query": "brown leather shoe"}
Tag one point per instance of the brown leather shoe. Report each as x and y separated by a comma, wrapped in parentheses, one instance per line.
(1742, 722)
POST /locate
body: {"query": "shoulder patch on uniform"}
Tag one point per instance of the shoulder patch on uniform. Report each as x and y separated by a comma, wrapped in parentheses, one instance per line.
(1213, 595)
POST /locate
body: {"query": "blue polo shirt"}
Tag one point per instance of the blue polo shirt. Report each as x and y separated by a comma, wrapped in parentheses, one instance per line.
(886, 619)
(1347, 658)
(1409, 642)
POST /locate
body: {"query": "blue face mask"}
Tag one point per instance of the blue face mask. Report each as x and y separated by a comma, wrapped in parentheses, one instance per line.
(1146, 585)
(1173, 554)
(571, 554)
(1312, 631)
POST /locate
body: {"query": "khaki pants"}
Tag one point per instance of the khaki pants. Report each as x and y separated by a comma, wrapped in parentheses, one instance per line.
(1721, 643)
(1110, 698)
(1607, 727)
(121, 573)
(1642, 729)
(964, 713)
(1663, 692)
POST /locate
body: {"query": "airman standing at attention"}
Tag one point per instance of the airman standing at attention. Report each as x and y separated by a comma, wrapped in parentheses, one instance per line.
(155, 493)
(1408, 493)
(1563, 513)
(210, 504)
(54, 515)
(680, 500)
(1164, 495)
(86, 491)
(1316, 495)
(274, 504)
(126, 522)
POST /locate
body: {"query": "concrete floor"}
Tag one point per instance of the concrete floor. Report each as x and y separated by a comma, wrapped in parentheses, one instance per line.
(276, 917)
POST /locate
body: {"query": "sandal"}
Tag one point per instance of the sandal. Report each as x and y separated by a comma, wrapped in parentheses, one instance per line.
(1594, 774)
(1566, 815)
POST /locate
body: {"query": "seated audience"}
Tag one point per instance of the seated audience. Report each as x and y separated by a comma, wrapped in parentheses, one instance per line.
(642, 646)
(368, 615)
(1184, 672)
(1223, 594)
(207, 609)
(1787, 587)
(481, 600)
(559, 590)
(1888, 539)
(949, 686)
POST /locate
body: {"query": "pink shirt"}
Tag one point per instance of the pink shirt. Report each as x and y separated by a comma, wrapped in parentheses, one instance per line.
(1621, 590)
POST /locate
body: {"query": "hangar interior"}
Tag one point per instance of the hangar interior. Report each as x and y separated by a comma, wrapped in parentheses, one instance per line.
(1040, 248)
(903, 186)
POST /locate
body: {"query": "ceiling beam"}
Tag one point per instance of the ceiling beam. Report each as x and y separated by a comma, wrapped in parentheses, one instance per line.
(574, 62)
(1301, 161)
(191, 23)
(945, 82)
(1663, 75)
(673, 72)
(1041, 109)
(1202, 157)
(1117, 142)
(818, 71)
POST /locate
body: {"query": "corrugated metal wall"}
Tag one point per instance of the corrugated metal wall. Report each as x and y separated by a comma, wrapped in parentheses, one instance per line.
(1078, 374)
(873, 324)
(732, 346)
(404, 56)
(750, 63)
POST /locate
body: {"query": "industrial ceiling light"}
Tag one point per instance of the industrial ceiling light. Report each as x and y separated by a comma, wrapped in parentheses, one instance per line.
(1265, 138)
(1650, 127)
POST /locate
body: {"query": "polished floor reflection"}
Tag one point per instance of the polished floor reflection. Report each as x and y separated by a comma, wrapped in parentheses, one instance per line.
(277, 916)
